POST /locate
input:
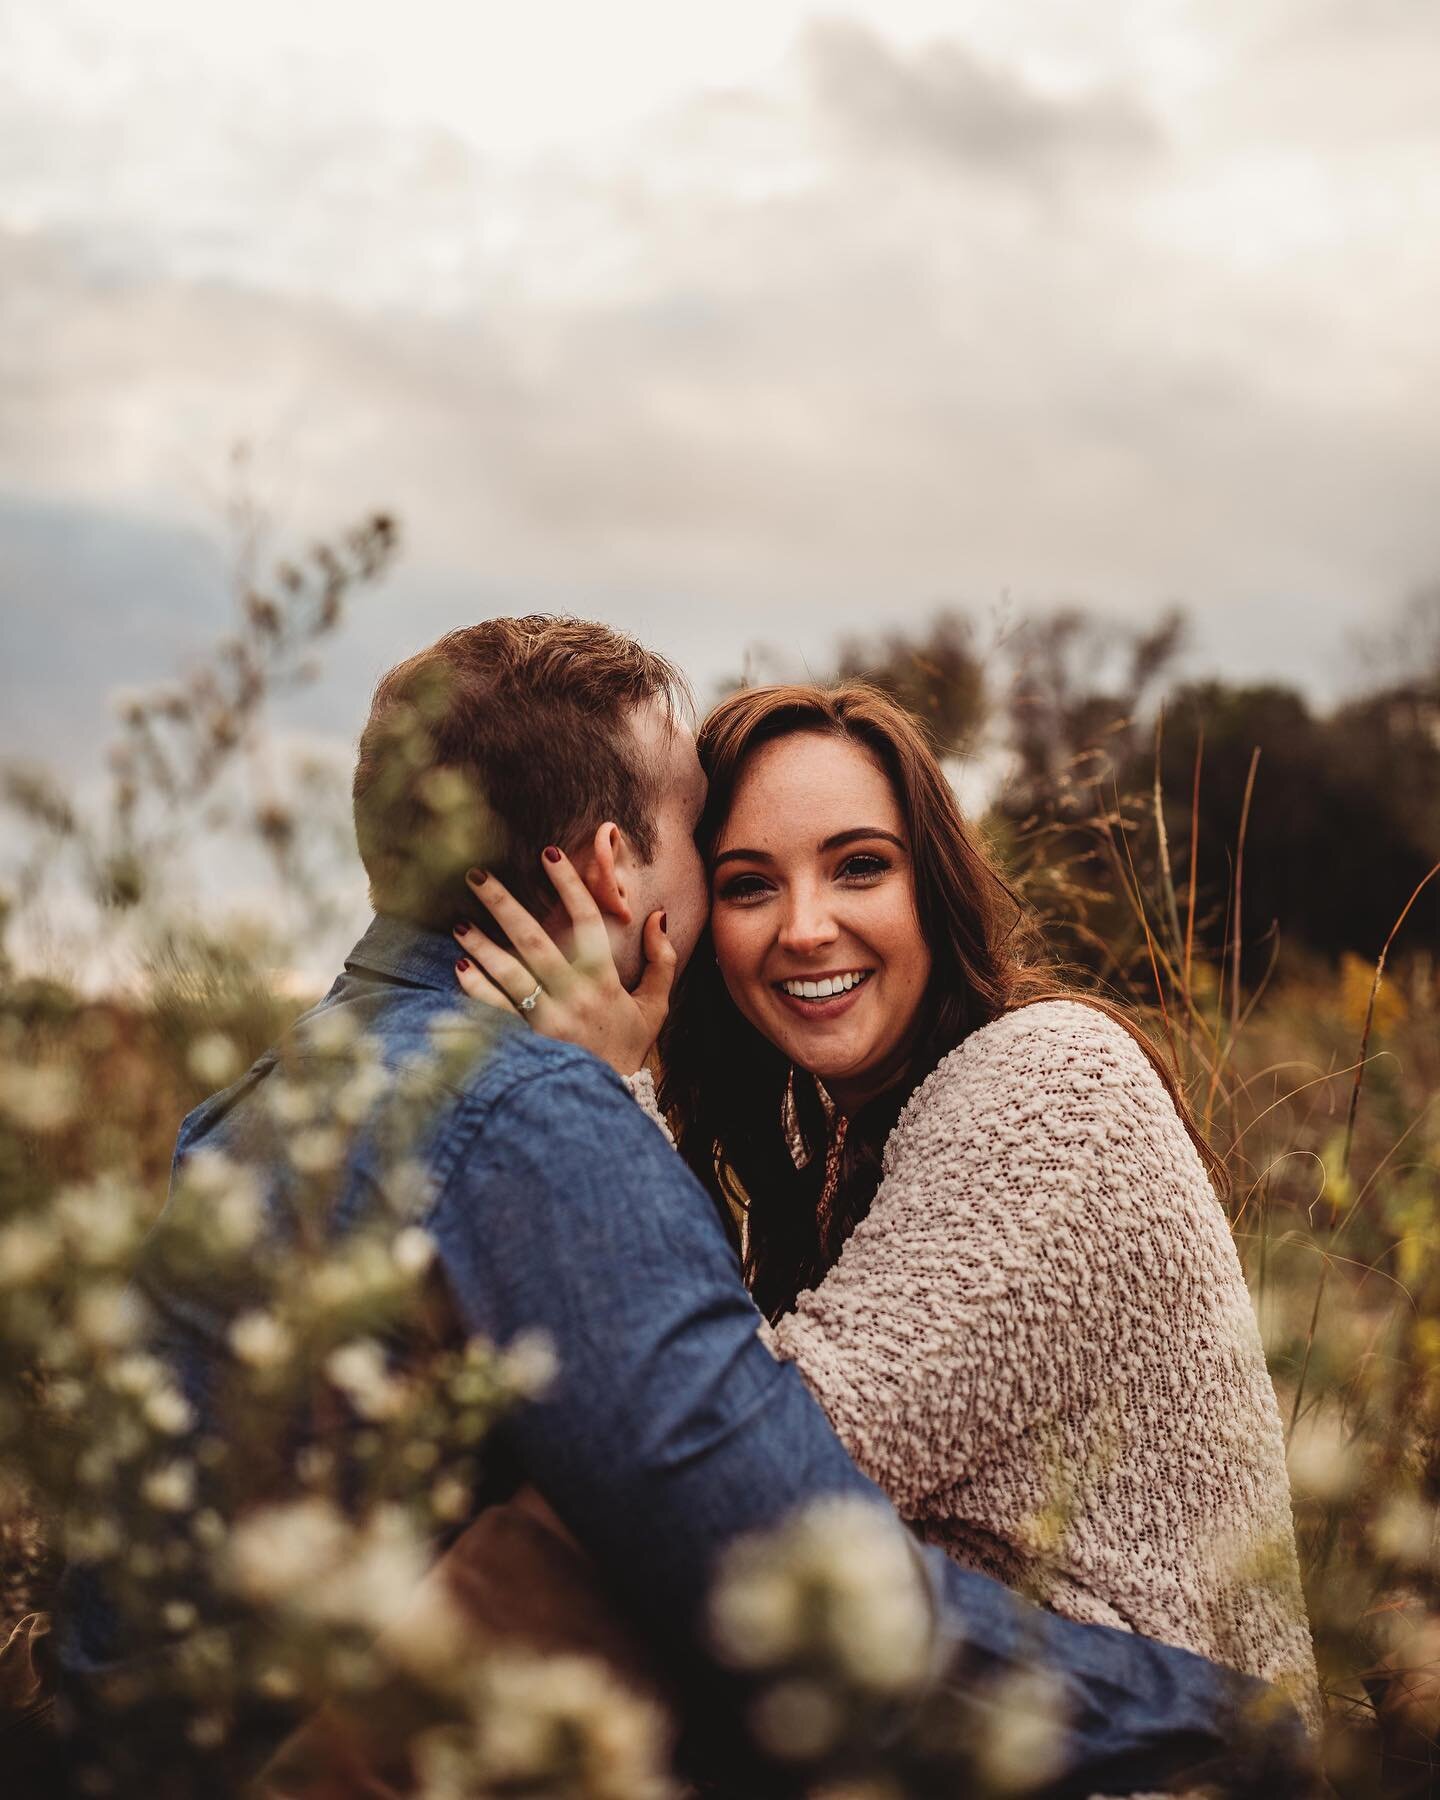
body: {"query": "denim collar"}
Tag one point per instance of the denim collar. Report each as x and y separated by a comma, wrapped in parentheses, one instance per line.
(407, 953)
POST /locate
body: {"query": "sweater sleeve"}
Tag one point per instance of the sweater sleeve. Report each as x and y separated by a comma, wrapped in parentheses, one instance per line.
(642, 1091)
(988, 1283)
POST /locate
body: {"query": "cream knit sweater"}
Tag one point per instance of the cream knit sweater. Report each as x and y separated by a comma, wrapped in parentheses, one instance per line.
(1040, 1344)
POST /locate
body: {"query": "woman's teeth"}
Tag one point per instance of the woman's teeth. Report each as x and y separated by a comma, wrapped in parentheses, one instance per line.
(823, 990)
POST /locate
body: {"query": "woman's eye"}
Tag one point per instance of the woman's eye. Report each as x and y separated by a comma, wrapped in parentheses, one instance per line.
(744, 887)
(863, 867)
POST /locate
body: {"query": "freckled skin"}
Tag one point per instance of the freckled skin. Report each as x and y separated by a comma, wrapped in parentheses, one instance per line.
(800, 910)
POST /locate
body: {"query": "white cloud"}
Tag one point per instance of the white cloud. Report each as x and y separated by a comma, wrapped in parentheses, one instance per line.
(845, 319)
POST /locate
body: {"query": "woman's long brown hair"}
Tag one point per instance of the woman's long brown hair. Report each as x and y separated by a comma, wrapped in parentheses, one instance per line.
(722, 1082)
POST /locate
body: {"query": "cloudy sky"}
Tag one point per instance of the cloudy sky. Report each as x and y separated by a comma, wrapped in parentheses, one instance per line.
(727, 323)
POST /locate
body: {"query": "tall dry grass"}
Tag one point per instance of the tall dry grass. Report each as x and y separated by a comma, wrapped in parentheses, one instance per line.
(1319, 1086)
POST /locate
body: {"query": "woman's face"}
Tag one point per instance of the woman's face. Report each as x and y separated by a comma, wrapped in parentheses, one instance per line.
(813, 912)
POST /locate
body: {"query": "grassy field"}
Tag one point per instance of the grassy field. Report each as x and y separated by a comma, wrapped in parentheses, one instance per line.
(1319, 1083)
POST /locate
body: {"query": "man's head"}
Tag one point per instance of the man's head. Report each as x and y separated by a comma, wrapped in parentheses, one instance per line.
(513, 734)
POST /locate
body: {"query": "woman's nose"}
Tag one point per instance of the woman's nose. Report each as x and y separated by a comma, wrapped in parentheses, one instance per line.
(808, 925)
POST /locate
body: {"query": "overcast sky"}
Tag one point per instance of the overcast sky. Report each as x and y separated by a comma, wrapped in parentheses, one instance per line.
(724, 323)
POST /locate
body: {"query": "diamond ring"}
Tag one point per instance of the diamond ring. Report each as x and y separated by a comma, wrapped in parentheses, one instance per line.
(528, 1003)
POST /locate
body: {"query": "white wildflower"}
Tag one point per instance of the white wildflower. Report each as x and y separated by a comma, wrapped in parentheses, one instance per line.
(313, 1464)
(355, 1098)
(360, 1270)
(316, 1150)
(1322, 1460)
(92, 1540)
(387, 1566)
(336, 1284)
(413, 1250)
(529, 1364)
(171, 1487)
(101, 1221)
(796, 1719)
(239, 1214)
(432, 1635)
(108, 1316)
(40, 1100)
(332, 1031)
(1406, 1531)
(28, 1250)
(213, 1059)
(126, 1439)
(65, 1396)
(272, 1551)
(360, 1371)
(178, 1615)
(1024, 1744)
(207, 1730)
(840, 1581)
(208, 1528)
(305, 1558)
(291, 1102)
(94, 1466)
(409, 1188)
(260, 1339)
(459, 1036)
(547, 1724)
(450, 1499)
(227, 1197)
(136, 1374)
(278, 1683)
(169, 1411)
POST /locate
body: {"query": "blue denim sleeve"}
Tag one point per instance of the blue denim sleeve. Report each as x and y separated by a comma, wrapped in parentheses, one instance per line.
(670, 1429)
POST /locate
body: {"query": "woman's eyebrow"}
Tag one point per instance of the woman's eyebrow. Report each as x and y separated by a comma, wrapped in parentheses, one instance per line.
(862, 831)
(836, 842)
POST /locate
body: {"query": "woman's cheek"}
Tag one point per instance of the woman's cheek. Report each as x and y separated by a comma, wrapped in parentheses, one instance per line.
(728, 936)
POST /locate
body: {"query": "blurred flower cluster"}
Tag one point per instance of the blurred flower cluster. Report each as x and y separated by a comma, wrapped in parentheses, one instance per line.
(263, 1545)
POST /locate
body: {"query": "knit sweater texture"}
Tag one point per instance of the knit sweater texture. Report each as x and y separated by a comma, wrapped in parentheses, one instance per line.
(1039, 1342)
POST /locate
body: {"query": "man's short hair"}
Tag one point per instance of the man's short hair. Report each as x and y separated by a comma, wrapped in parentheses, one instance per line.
(500, 739)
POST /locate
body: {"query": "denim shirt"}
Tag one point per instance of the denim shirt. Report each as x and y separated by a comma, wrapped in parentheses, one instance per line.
(669, 1429)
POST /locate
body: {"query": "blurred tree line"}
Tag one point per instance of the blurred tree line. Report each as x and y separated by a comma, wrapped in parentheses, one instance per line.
(1084, 735)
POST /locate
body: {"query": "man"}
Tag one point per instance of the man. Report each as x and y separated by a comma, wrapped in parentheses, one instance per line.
(555, 1205)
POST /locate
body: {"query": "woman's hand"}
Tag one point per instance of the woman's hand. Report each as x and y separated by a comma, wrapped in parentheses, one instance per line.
(579, 999)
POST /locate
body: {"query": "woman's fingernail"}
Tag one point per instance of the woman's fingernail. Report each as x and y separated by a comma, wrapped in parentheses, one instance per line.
(551, 853)
(460, 928)
(462, 965)
(663, 918)
(477, 876)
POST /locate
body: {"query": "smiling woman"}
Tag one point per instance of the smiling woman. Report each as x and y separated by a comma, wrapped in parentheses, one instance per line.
(836, 849)
(813, 916)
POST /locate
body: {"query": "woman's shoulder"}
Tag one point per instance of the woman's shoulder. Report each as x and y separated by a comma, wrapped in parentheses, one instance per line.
(1053, 1060)
(1054, 1040)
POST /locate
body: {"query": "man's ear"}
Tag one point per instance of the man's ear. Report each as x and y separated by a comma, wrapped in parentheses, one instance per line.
(608, 870)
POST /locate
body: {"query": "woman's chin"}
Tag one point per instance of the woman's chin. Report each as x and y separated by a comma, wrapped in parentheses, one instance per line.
(826, 1060)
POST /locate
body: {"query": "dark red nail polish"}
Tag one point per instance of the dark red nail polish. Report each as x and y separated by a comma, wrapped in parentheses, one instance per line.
(551, 853)
(478, 876)
(462, 965)
(664, 918)
(460, 927)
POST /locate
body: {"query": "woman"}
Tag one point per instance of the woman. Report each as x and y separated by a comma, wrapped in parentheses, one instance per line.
(974, 1209)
